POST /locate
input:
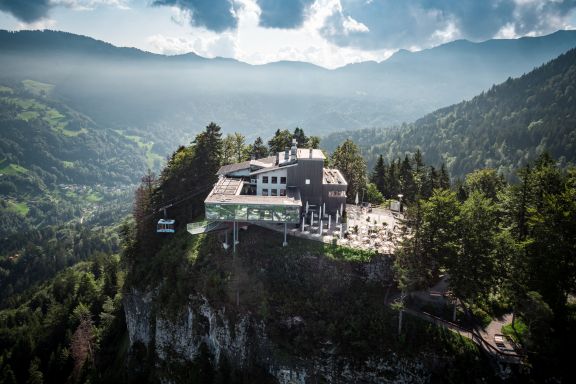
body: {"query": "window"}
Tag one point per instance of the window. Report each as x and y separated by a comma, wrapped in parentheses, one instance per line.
(307, 181)
(282, 192)
(265, 192)
(274, 180)
(283, 180)
(265, 179)
(274, 192)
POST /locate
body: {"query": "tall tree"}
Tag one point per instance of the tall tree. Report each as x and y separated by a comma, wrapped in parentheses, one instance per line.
(259, 149)
(280, 141)
(485, 180)
(300, 137)
(444, 178)
(473, 273)
(434, 243)
(313, 142)
(408, 187)
(348, 159)
(378, 176)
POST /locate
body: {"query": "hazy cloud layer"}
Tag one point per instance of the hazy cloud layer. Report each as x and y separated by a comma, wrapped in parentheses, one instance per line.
(215, 15)
(28, 10)
(283, 13)
(421, 23)
(32, 11)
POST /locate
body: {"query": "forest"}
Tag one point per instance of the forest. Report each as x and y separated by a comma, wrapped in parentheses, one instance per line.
(504, 128)
(505, 247)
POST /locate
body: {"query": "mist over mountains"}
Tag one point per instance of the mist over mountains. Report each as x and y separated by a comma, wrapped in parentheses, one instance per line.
(166, 99)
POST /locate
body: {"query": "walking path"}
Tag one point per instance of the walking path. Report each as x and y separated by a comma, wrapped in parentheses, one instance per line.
(484, 339)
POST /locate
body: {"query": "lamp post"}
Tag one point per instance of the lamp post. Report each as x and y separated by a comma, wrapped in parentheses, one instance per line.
(400, 196)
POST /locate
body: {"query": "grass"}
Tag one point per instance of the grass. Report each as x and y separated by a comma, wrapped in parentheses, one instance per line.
(28, 115)
(151, 157)
(32, 109)
(20, 208)
(37, 88)
(11, 168)
(94, 197)
(517, 333)
(4, 89)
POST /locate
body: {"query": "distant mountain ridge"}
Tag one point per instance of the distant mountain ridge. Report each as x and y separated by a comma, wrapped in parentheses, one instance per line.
(171, 98)
(504, 128)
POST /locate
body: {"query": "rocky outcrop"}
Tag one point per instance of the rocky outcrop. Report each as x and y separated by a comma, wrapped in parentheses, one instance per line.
(244, 341)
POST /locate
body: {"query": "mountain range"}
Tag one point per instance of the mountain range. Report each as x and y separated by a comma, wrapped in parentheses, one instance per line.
(168, 99)
(504, 128)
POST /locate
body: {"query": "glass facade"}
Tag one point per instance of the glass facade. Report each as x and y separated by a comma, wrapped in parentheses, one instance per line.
(244, 212)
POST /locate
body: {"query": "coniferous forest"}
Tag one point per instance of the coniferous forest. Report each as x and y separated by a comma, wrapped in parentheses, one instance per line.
(488, 191)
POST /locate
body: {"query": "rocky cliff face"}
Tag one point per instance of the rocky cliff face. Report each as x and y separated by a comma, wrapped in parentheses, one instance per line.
(307, 313)
(245, 342)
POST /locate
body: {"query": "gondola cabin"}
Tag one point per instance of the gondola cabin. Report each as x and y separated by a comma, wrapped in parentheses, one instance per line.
(166, 226)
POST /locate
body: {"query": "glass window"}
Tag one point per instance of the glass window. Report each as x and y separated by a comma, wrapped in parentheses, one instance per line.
(265, 179)
(274, 180)
(283, 180)
(254, 213)
(265, 214)
(274, 192)
(265, 192)
(282, 192)
(307, 181)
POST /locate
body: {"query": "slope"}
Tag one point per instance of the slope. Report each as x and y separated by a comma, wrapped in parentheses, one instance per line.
(172, 98)
(503, 128)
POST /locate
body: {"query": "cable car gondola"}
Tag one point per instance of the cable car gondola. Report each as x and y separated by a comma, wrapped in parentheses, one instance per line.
(166, 226)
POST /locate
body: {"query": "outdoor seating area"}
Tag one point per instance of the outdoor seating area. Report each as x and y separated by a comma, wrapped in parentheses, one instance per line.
(377, 229)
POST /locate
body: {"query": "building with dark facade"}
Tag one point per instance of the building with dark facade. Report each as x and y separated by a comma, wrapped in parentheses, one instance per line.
(278, 189)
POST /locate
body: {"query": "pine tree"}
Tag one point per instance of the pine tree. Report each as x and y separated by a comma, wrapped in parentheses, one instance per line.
(444, 179)
(349, 161)
(378, 176)
(259, 149)
(280, 141)
(300, 137)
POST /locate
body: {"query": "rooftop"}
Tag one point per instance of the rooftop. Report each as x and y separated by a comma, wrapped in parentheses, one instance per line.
(228, 191)
(333, 176)
(306, 153)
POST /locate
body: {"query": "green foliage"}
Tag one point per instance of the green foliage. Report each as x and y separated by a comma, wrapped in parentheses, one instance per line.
(504, 128)
(373, 195)
(36, 329)
(348, 160)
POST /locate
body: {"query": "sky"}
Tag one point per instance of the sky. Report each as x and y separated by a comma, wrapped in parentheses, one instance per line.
(329, 33)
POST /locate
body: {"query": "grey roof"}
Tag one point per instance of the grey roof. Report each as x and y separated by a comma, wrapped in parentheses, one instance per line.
(227, 191)
(226, 169)
(230, 168)
(304, 153)
(333, 176)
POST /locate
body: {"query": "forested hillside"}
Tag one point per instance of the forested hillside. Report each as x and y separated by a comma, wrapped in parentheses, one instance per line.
(63, 180)
(503, 128)
(168, 99)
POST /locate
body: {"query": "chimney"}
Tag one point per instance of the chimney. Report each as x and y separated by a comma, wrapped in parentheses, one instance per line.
(310, 152)
(293, 150)
(286, 154)
(277, 158)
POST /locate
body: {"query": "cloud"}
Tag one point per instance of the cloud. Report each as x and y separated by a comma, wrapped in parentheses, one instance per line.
(34, 11)
(423, 23)
(284, 14)
(214, 15)
(27, 11)
(88, 5)
(207, 45)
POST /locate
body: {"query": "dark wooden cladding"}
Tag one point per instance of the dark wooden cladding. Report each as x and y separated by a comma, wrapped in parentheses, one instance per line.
(311, 169)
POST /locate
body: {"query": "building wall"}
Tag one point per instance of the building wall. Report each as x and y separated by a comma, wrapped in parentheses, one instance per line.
(334, 195)
(269, 186)
(308, 169)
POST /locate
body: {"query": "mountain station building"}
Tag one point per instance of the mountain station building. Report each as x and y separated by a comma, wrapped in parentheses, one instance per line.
(280, 189)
